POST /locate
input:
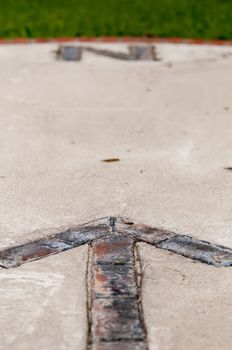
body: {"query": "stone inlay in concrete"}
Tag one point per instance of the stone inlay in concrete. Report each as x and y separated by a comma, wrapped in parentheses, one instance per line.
(135, 53)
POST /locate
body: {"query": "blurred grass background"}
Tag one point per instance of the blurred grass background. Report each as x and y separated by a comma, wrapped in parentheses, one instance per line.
(207, 19)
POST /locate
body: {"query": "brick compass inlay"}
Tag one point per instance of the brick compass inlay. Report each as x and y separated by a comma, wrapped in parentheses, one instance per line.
(114, 275)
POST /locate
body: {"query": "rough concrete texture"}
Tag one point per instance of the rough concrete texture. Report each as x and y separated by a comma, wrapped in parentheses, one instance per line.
(169, 123)
(187, 305)
(43, 304)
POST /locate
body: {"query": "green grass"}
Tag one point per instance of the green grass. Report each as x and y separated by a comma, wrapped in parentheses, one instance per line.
(207, 19)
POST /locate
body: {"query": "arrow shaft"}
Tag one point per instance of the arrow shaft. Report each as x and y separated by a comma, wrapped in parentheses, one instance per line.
(115, 312)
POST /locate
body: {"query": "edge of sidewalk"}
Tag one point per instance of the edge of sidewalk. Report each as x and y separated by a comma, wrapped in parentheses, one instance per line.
(115, 39)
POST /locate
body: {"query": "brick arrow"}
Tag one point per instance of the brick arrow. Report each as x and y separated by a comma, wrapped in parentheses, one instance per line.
(135, 53)
(114, 275)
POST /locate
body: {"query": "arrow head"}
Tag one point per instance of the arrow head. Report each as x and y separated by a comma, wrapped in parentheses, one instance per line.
(187, 246)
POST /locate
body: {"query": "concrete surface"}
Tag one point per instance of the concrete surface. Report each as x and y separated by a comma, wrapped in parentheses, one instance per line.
(43, 304)
(187, 305)
(170, 124)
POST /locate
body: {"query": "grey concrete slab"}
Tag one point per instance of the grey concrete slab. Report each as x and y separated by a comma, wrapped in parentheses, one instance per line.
(187, 305)
(169, 123)
(43, 304)
(170, 126)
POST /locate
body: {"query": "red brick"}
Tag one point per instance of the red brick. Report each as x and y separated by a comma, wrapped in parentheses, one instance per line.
(116, 319)
(120, 346)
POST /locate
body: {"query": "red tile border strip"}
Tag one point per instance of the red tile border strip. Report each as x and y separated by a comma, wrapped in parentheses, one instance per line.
(112, 40)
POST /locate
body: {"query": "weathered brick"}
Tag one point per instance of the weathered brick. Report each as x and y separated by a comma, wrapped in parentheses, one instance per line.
(116, 249)
(113, 267)
(59, 242)
(116, 319)
(114, 280)
(115, 310)
(120, 346)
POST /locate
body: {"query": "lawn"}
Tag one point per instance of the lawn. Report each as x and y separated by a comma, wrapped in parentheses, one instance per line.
(207, 19)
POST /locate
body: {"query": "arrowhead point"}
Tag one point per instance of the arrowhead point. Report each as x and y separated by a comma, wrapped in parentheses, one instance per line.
(187, 246)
